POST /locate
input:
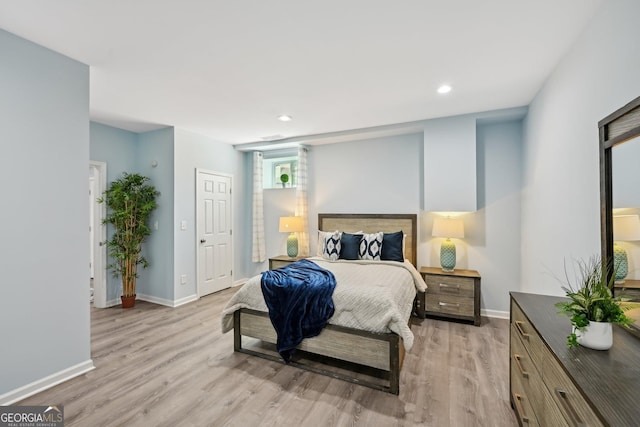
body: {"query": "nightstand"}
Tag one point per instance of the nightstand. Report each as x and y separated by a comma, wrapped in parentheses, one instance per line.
(452, 295)
(630, 289)
(281, 261)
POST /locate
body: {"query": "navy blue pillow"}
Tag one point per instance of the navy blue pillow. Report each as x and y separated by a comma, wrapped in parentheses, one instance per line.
(349, 246)
(392, 246)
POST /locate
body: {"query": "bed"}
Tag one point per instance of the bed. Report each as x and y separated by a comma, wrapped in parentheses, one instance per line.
(348, 348)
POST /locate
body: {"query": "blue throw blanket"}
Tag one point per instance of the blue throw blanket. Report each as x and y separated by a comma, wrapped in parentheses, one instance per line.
(299, 300)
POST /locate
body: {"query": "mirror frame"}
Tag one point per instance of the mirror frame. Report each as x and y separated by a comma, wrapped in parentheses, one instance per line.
(617, 128)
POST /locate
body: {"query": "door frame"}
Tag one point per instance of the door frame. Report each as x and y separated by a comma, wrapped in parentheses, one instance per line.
(197, 227)
(99, 237)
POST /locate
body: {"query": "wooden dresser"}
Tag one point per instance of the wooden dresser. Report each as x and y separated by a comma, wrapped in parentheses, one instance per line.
(553, 385)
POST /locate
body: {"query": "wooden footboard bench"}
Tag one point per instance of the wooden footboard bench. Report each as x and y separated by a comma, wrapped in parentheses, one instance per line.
(382, 353)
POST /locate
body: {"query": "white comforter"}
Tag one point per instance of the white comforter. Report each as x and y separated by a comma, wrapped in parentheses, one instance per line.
(375, 296)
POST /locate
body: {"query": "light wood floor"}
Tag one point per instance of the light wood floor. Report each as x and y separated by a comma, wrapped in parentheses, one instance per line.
(160, 366)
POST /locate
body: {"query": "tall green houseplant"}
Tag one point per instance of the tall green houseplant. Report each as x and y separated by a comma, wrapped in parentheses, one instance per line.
(130, 201)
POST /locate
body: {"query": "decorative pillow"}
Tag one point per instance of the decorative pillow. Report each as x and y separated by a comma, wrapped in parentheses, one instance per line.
(322, 237)
(371, 246)
(331, 247)
(350, 244)
(392, 247)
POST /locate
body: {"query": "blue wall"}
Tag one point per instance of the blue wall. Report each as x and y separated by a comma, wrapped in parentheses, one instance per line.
(156, 280)
(386, 175)
(561, 201)
(117, 148)
(193, 151)
(130, 152)
(44, 309)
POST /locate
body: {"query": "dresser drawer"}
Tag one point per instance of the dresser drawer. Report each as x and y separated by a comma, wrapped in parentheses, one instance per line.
(565, 395)
(448, 285)
(525, 370)
(552, 415)
(528, 335)
(450, 304)
(522, 403)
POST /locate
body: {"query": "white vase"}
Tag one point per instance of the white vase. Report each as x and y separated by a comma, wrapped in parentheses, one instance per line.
(596, 335)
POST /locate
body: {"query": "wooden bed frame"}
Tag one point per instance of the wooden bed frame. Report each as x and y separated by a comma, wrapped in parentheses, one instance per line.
(382, 354)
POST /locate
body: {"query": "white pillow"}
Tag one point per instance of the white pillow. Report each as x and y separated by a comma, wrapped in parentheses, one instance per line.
(322, 237)
(332, 246)
(371, 246)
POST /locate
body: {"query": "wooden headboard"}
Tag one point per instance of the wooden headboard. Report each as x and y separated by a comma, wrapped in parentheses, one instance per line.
(372, 223)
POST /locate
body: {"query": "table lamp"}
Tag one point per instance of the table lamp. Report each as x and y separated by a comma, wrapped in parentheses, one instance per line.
(626, 228)
(448, 228)
(291, 224)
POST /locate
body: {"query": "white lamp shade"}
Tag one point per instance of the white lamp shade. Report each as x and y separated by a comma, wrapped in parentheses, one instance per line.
(626, 228)
(290, 224)
(448, 227)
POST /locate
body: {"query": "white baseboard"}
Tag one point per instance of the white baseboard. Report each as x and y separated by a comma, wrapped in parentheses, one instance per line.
(155, 300)
(45, 383)
(166, 302)
(185, 300)
(495, 313)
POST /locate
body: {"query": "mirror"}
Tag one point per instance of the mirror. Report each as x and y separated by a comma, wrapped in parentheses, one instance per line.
(625, 158)
(620, 197)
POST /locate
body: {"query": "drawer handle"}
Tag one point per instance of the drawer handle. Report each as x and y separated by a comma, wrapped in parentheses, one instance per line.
(520, 409)
(521, 331)
(455, 288)
(448, 304)
(524, 373)
(564, 400)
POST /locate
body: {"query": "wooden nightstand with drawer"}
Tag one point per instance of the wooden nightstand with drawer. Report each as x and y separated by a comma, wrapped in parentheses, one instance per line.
(281, 261)
(452, 295)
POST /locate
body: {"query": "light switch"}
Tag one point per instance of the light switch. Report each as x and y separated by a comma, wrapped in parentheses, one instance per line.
(183, 225)
(155, 225)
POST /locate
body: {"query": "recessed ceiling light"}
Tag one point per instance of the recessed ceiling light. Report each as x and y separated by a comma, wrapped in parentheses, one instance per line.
(444, 89)
(284, 118)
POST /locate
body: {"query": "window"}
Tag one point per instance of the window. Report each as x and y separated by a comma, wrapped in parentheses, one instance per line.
(275, 168)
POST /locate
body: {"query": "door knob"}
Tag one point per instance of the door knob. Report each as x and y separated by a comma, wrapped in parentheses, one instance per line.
(202, 240)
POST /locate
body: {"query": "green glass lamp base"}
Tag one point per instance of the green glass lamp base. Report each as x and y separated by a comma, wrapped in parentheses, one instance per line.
(620, 262)
(292, 245)
(448, 255)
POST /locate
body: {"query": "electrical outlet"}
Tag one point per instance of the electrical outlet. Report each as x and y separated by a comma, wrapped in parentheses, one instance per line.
(183, 279)
(155, 225)
(183, 225)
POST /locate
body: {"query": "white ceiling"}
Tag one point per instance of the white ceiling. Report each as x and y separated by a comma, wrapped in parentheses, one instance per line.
(227, 69)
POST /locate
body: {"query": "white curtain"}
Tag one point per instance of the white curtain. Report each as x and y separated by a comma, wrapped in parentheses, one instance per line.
(258, 248)
(301, 202)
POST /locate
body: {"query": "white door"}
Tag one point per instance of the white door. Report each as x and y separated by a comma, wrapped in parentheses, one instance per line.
(98, 234)
(215, 252)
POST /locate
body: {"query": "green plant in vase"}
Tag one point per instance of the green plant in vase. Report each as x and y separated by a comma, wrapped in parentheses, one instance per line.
(284, 178)
(130, 201)
(592, 305)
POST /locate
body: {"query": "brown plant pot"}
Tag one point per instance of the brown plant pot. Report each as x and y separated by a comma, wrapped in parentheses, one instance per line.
(128, 302)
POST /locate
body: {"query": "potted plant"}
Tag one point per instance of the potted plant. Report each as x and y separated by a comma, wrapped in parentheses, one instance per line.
(130, 201)
(592, 307)
(284, 178)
